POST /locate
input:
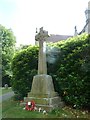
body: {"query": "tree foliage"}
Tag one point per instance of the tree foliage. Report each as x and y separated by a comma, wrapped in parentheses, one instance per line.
(8, 45)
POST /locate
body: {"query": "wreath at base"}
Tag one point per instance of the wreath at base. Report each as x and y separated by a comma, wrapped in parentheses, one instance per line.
(30, 105)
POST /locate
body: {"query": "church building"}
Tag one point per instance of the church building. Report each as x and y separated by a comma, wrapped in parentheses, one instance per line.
(86, 28)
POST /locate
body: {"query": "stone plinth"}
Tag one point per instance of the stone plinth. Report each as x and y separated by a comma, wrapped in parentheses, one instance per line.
(43, 93)
(42, 86)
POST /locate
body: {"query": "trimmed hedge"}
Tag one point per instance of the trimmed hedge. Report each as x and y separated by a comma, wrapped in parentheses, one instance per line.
(24, 67)
(68, 63)
(71, 71)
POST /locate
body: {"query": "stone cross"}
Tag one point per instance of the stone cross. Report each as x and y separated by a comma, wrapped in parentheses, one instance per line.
(41, 37)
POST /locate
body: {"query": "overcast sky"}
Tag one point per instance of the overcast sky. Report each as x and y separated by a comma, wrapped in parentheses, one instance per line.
(56, 16)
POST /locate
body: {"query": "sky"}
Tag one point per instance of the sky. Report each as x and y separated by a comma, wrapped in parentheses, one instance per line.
(55, 16)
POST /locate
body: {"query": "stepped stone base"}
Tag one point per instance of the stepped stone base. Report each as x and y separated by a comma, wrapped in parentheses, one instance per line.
(43, 93)
(46, 103)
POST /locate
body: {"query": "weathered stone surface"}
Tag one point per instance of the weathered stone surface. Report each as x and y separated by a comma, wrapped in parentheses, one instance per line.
(42, 91)
(41, 37)
(46, 103)
(6, 86)
(42, 86)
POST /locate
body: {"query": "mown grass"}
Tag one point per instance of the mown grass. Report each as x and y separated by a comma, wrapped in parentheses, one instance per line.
(12, 109)
(0, 111)
(3, 90)
(0, 90)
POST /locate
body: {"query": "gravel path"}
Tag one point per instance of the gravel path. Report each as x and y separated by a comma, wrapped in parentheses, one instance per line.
(6, 96)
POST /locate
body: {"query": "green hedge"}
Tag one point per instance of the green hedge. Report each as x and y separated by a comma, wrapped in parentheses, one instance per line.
(24, 67)
(71, 71)
(68, 63)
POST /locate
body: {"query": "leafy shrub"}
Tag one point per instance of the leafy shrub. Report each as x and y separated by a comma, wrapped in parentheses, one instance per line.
(24, 67)
(71, 72)
(17, 97)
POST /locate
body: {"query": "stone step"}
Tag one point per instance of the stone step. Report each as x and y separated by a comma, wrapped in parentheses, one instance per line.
(46, 107)
(44, 101)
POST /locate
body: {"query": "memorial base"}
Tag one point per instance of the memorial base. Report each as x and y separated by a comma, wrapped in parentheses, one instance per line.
(43, 93)
(46, 103)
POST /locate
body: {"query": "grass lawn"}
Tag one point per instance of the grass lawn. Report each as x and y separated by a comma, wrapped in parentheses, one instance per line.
(3, 90)
(0, 111)
(0, 90)
(12, 109)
